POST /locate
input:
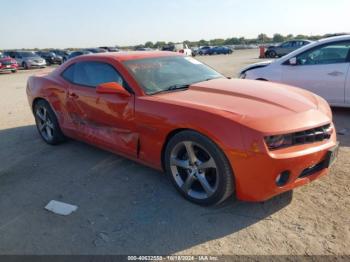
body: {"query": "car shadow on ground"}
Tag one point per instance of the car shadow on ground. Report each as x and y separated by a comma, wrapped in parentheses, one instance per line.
(124, 207)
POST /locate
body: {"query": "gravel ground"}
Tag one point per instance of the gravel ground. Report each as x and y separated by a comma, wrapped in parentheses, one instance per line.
(126, 208)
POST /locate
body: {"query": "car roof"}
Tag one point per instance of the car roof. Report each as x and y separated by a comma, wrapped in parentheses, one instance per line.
(334, 38)
(133, 55)
(313, 45)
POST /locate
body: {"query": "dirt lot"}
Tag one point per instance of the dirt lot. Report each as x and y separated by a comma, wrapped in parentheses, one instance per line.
(126, 208)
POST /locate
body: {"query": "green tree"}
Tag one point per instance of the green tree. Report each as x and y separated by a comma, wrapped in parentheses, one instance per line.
(301, 37)
(289, 37)
(203, 42)
(159, 44)
(149, 44)
(263, 38)
(232, 41)
(242, 41)
(278, 38)
(217, 41)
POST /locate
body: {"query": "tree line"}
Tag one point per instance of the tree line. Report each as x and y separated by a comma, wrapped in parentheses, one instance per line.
(260, 39)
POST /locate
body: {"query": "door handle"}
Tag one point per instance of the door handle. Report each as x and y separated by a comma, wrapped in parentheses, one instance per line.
(336, 73)
(73, 95)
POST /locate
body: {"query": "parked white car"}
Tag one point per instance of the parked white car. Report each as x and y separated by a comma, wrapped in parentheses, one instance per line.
(184, 49)
(321, 67)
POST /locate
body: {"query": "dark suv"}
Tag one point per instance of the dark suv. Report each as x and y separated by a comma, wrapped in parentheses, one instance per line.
(62, 53)
(285, 48)
(50, 57)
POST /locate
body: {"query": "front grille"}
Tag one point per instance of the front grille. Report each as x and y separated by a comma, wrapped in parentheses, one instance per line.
(317, 134)
(7, 63)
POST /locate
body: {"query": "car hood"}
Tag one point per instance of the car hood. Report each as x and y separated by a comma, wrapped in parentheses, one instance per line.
(252, 103)
(33, 58)
(256, 65)
(7, 59)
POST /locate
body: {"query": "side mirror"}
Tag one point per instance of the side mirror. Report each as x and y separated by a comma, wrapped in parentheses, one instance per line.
(293, 61)
(112, 88)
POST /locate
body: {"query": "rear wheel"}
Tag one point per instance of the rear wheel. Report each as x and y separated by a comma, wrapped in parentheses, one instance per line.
(198, 168)
(47, 123)
(272, 54)
(25, 65)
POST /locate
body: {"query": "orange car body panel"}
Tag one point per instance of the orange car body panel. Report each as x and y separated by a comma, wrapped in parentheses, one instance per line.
(235, 114)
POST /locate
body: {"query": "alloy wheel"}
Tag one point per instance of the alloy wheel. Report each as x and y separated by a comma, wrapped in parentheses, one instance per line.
(45, 124)
(194, 170)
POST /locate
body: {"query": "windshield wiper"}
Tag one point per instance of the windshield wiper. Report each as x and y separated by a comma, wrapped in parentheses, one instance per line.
(172, 88)
(177, 87)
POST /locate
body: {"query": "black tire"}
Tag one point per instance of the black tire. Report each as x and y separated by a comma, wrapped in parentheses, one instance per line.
(56, 136)
(14, 71)
(224, 180)
(272, 54)
(25, 66)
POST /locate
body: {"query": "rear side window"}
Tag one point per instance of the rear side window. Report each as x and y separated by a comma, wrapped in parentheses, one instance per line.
(92, 74)
(287, 45)
(68, 74)
(332, 53)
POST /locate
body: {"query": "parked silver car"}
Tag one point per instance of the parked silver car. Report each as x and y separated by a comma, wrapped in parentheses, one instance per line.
(285, 48)
(27, 59)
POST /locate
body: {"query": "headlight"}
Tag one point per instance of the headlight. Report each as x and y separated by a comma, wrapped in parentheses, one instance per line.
(279, 141)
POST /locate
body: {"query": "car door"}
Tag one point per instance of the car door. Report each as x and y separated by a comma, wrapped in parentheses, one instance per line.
(285, 48)
(17, 57)
(321, 70)
(347, 88)
(103, 119)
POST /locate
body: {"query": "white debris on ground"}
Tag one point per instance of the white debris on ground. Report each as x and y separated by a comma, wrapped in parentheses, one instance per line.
(60, 208)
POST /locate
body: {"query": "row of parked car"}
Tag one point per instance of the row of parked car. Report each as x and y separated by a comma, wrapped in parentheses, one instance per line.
(212, 50)
(12, 60)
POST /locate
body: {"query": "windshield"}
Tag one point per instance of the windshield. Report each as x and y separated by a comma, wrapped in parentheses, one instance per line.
(160, 74)
(27, 54)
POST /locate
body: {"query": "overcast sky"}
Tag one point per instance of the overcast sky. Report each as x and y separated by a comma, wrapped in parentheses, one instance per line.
(89, 23)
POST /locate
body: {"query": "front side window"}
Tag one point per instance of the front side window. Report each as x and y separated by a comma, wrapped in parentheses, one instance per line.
(92, 74)
(160, 74)
(333, 53)
(286, 45)
(26, 54)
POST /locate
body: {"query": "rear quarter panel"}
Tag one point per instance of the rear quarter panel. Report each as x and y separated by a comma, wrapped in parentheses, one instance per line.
(46, 87)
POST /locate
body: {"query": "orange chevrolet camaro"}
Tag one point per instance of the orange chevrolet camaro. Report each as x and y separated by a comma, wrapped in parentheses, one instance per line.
(214, 137)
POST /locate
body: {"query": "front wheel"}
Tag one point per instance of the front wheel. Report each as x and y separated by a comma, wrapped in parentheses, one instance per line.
(25, 66)
(198, 168)
(47, 124)
(272, 54)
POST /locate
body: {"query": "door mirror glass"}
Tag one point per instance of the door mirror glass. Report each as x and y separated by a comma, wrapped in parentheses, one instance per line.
(112, 88)
(293, 61)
